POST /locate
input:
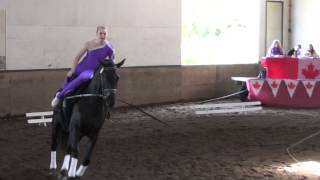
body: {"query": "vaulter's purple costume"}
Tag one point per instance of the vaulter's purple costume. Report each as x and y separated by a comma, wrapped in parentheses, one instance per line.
(85, 69)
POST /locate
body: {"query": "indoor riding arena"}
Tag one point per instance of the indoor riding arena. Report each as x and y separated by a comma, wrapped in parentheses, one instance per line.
(201, 95)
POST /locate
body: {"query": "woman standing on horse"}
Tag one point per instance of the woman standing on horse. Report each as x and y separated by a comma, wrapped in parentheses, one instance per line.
(83, 69)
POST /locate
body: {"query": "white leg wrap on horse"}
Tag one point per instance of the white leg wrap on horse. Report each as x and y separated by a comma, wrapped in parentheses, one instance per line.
(73, 167)
(53, 161)
(66, 162)
(81, 170)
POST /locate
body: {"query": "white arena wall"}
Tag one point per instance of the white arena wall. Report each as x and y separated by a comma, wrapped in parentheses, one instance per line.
(47, 34)
(39, 39)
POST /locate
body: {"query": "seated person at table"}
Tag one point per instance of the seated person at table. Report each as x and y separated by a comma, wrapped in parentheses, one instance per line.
(298, 52)
(275, 49)
(291, 52)
(311, 53)
(295, 52)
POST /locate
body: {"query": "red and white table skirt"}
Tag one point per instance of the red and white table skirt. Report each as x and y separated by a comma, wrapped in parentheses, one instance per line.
(285, 92)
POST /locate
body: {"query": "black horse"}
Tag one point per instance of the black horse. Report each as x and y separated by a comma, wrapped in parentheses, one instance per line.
(83, 115)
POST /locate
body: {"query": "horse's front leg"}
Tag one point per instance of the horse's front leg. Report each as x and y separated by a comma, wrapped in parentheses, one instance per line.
(83, 167)
(74, 138)
(66, 161)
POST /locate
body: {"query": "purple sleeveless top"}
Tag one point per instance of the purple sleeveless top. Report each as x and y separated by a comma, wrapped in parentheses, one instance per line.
(276, 51)
(93, 58)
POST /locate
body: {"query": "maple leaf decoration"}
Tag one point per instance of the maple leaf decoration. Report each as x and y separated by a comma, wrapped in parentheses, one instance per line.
(310, 72)
(309, 85)
(274, 84)
(256, 85)
(291, 85)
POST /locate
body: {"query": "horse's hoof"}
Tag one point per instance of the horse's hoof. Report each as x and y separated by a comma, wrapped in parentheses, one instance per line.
(64, 172)
(53, 172)
(63, 175)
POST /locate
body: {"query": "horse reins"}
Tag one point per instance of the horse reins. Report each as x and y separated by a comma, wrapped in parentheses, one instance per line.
(105, 93)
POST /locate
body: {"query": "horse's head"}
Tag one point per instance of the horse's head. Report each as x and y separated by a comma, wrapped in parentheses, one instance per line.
(109, 80)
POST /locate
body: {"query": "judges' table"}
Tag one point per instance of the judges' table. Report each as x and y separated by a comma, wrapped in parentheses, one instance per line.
(291, 68)
(290, 82)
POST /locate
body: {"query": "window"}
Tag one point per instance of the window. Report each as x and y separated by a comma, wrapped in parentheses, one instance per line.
(220, 32)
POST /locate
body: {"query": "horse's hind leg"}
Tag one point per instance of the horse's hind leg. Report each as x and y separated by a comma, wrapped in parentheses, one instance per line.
(54, 143)
(83, 167)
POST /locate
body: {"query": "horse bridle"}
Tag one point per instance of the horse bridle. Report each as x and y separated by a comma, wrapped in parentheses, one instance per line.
(104, 91)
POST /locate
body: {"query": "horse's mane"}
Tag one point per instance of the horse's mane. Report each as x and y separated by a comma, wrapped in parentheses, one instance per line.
(104, 63)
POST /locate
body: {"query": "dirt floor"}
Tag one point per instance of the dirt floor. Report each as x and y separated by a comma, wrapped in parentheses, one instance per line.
(247, 145)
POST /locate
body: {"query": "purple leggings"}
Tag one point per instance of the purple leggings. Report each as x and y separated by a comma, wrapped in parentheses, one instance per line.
(71, 83)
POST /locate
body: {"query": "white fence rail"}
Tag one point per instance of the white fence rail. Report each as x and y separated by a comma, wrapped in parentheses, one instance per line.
(39, 117)
(227, 107)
